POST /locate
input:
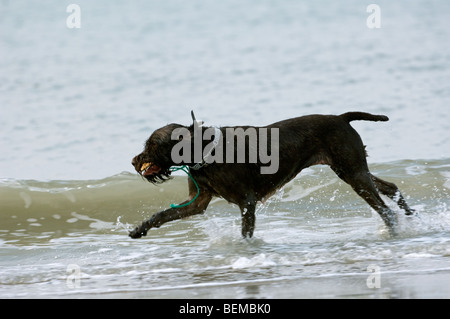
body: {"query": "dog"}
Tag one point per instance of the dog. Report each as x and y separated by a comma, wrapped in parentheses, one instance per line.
(302, 142)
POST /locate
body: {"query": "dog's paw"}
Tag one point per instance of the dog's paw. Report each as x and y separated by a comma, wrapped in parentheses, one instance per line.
(138, 232)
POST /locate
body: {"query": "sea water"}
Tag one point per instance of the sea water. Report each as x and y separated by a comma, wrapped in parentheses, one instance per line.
(76, 104)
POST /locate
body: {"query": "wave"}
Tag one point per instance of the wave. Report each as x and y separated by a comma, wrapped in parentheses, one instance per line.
(116, 203)
(316, 230)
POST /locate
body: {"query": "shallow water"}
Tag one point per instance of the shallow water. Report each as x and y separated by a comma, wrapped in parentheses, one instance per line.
(314, 238)
(77, 104)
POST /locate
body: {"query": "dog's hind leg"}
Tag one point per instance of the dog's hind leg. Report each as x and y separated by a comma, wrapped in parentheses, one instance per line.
(363, 185)
(248, 217)
(392, 191)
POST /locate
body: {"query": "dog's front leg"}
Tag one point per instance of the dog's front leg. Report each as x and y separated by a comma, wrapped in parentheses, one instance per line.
(196, 207)
(160, 218)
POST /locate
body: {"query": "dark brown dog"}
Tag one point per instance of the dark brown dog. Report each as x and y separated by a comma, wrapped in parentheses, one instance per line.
(302, 142)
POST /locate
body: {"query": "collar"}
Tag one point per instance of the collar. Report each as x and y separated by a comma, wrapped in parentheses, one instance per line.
(217, 135)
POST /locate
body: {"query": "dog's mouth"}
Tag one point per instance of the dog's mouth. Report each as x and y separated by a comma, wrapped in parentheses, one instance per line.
(148, 169)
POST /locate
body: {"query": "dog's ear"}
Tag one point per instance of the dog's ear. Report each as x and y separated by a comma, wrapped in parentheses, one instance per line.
(199, 123)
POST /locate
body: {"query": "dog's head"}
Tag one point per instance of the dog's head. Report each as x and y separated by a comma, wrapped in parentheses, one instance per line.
(155, 161)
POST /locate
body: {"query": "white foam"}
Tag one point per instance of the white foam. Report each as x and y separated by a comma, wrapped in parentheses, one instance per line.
(260, 260)
(416, 170)
(447, 176)
(418, 255)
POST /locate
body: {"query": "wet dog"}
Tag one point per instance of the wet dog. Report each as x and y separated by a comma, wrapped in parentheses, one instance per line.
(297, 143)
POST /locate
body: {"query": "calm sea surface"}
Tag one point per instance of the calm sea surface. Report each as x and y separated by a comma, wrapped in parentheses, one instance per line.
(77, 104)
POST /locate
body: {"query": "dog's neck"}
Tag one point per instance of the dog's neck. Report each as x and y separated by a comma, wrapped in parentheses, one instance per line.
(215, 142)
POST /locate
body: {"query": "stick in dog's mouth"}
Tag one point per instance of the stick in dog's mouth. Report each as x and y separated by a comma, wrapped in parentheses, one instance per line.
(149, 169)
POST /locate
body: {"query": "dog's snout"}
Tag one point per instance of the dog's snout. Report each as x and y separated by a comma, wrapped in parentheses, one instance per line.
(135, 162)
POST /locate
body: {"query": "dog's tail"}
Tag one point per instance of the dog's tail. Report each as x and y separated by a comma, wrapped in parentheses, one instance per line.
(361, 116)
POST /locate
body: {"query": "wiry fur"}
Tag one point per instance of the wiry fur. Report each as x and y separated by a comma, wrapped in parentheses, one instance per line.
(303, 141)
